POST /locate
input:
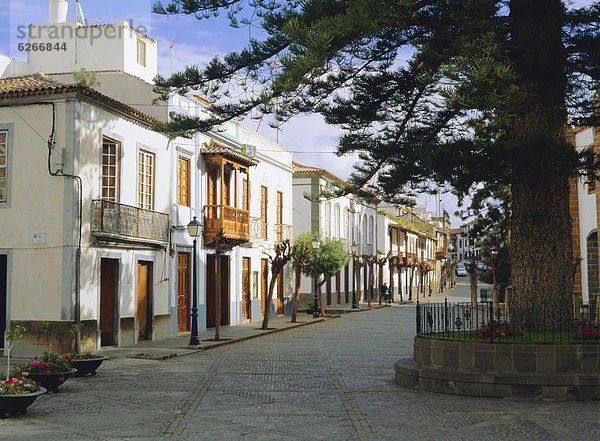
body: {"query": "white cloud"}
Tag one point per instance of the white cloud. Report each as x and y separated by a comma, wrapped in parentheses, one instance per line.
(184, 54)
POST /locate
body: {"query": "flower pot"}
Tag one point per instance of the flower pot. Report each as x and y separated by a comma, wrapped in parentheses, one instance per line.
(52, 381)
(86, 366)
(11, 405)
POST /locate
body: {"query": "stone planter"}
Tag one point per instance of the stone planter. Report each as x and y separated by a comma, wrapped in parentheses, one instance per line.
(11, 405)
(559, 372)
(52, 381)
(87, 366)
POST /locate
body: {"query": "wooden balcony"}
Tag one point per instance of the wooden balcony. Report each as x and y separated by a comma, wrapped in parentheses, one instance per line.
(118, 223)
(234, 222)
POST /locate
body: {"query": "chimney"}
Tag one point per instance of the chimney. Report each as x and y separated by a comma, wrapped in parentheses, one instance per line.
(58, 11)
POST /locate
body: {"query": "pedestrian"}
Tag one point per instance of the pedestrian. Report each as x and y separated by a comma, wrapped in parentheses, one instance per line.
(384, 291)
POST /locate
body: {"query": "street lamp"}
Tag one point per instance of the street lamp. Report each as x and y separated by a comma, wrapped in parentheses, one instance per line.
(315, 243)
(194, 230)
(354, 249)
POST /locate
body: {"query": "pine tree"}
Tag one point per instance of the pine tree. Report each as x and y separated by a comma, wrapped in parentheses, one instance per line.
(466, 94)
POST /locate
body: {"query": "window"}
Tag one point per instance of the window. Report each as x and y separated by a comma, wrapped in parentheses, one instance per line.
(3, 166)
(371, 230)
(327, 219)
(110, 170)
(264, 195)
(145, 180)
(245, 195)
(347, 224)
(336, 221)
(141, 52)
(183, 181)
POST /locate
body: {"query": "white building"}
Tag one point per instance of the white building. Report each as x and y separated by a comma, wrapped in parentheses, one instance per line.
(584, 205)
(84, 231)
(145, 189)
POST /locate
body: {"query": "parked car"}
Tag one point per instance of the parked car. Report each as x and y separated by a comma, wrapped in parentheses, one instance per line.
(461, 270)
(482, 266)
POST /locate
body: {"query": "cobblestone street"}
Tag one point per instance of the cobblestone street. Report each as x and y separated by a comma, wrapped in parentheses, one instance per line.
(328, 381)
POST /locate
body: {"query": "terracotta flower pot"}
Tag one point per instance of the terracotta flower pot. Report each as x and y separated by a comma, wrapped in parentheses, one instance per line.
(11, 405)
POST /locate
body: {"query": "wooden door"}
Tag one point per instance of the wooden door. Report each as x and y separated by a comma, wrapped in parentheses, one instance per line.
(264, 205)
(338, 283)
(183, 292)
(264, 285)
(227, 187)
(210, 290)
(246, 302)
(109, 288)
(328, 288)
(144, 298)
(280, 293)
(225, 299)
(211, 287)
(279, 216)
(347, 283)
(212, 186)
(3, 295)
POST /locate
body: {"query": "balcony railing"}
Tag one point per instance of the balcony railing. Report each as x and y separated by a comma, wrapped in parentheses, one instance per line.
(258, 229)
(125, 223)
(283, 232)
(234, 222)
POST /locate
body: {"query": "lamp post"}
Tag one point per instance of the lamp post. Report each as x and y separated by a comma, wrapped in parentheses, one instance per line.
(354, 249)
(315, 243)
(194, 231)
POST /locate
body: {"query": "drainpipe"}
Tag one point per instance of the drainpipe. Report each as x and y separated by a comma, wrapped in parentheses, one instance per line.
(77, 179)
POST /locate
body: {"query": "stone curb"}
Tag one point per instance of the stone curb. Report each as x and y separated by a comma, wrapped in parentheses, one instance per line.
(250, 337)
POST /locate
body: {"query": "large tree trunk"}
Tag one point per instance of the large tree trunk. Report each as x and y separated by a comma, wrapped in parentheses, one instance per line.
(473, 282)
(265, 323)
(298, 279)
(542, 256)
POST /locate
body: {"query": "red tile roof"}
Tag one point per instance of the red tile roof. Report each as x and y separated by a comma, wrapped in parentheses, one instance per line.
(42, 85)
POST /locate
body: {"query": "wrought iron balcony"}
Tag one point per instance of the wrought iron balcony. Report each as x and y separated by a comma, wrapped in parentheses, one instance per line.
(234, 222)
(115, 222)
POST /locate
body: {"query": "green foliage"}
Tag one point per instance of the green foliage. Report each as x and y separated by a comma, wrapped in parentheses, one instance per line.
(331, 256)
(16, 335)
(75, 329)
(86, 79)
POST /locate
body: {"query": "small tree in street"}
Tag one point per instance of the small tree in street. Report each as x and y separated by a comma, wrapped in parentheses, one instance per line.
(331, 258)
(301, 259)
(282, 255)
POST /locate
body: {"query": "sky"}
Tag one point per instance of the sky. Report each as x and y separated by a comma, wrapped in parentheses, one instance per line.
(196, 42)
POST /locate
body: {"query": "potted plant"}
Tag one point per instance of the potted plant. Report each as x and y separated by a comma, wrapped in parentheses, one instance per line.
(49, 370)
(86, 363)
(17, 390)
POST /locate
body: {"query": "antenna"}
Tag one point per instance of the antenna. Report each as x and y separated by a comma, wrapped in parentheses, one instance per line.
(171, 51)
(79, 17)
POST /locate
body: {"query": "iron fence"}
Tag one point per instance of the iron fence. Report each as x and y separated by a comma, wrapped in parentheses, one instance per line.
(485, 322)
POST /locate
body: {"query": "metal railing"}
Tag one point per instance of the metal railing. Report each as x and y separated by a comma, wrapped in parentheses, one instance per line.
(485, 323)
(283, 232)
(125, 221)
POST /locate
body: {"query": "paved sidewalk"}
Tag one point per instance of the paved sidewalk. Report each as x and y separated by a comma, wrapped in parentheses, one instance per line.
(331, 381)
